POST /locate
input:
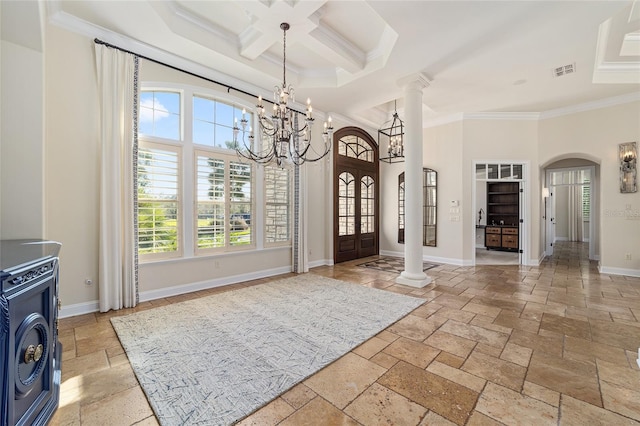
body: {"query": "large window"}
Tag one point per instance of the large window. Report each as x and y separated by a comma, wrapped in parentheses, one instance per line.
(195, 195)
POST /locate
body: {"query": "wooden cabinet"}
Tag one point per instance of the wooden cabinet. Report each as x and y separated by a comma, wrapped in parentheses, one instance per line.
(501, 238)
(503, 216)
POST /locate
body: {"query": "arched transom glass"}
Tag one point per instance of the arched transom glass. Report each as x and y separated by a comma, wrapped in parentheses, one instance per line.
(355, 147)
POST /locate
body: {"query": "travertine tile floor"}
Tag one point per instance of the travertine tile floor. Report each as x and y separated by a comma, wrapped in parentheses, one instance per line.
(554, 344)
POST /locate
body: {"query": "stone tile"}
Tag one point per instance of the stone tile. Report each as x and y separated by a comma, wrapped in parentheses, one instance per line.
(453, 344)
(387, 336)
(566, 326)
(66, 415)
(448, 399)
(475, 333)
(452, 301)
(78, 321)
(511, 305)
(586, 350)
(486, 322)
(479, 419)
(618, 374)
(512, 320)
(342, 381)
(509, 407)
(541, 393)
(92, 387)
(126, 407)
(318, 412)
(455, 375)
(615, 334)
(379, 405)
(433, 419)
(621, 400)
(416, 328)
(574, 378)
(149, 421)
(476, 308)
(384, 360)
(495, 370)
(426, 310)
(488, 350)
(450, 359)
(548, 344)
(370, 347)
(413, 352)
(96, 343)
(269, 415)
(85, 364)
(517, 354)
(454, 314)
(576, 412)
(298, 396)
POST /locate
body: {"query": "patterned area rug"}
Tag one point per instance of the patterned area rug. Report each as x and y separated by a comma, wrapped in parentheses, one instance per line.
(216, 359)
(393, 264)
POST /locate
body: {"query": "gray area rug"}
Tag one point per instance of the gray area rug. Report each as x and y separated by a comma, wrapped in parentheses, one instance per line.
(216, 359)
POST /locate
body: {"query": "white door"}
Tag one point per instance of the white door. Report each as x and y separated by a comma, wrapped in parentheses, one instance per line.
(551, 221)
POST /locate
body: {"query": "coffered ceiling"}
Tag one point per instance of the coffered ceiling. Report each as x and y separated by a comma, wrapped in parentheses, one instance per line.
(349, 56)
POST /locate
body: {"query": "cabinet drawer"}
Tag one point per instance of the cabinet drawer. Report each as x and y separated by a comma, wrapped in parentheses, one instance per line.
(492, 240)
(491, 230)
(512, 231)
(510, 241)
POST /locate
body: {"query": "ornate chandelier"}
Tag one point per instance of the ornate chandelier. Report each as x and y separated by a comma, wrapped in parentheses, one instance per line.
(391, 136)
(281, 139)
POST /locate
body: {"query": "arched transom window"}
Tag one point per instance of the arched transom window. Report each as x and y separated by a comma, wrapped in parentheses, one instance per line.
(355, 147)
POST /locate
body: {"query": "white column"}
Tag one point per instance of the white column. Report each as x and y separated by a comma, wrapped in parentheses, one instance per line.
(413, 275)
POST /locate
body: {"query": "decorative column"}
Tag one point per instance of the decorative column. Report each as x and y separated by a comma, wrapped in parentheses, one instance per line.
(413, 275)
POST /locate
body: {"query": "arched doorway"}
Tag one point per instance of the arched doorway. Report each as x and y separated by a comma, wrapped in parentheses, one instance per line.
(356, 195)
(571, 205)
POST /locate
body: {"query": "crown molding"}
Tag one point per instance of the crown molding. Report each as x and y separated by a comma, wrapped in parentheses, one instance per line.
(501, 116)
(588, 106)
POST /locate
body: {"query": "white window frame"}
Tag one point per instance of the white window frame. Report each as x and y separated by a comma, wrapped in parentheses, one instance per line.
(187, 209)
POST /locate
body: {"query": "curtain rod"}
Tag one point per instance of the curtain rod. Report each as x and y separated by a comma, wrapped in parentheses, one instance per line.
(228, 87)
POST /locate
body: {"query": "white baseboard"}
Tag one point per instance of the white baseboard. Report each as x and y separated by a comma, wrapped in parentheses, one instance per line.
(619, 271)
(561, 239)
(145, 296)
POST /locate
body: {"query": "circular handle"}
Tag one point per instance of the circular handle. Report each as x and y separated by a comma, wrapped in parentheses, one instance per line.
(33, 353)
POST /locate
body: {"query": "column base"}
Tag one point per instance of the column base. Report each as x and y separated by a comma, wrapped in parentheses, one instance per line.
(413, 280)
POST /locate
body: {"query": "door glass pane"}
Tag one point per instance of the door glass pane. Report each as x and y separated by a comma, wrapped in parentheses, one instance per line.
(505, 171)
(517, 171)
(492, 171)
(481, 171)
(346, 204)
(367, 200)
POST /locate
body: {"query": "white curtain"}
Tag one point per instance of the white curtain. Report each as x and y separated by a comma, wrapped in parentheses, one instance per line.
(575, 213)
(118, 254)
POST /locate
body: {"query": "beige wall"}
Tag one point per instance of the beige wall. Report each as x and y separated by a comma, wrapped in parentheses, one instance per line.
(595, 135)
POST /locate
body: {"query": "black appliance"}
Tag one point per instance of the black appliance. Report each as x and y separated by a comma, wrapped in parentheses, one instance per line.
(31, 353)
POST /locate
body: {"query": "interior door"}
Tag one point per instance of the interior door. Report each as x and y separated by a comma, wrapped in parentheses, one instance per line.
(551, 221)
(355, 195)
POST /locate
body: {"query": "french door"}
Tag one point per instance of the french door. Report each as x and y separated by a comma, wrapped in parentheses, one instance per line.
(356, 206)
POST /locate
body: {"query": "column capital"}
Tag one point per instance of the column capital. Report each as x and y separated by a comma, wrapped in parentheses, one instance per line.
(419, 81)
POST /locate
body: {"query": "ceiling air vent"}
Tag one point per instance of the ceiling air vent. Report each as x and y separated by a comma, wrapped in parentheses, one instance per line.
(563, 70)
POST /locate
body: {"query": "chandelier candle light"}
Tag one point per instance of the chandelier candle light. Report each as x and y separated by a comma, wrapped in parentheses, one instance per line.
(393, 133)
(281, 140)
